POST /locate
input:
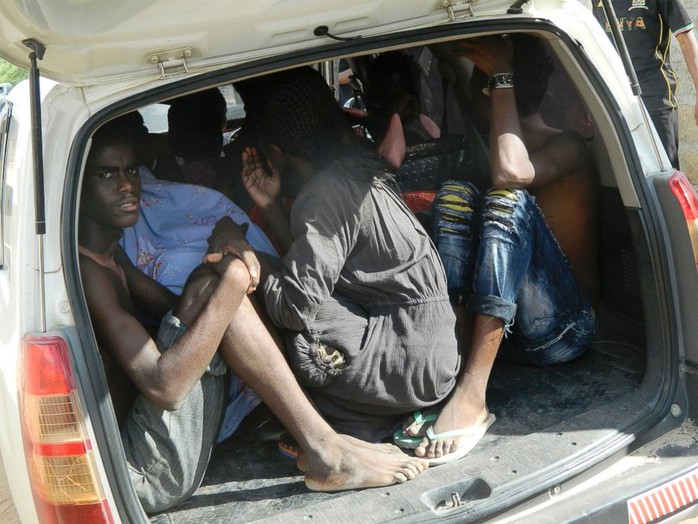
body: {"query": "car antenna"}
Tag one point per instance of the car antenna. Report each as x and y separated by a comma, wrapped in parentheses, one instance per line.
(323, 30)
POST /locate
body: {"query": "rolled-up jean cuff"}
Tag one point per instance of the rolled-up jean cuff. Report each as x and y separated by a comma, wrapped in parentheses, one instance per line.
(171, 330)
(492, 306)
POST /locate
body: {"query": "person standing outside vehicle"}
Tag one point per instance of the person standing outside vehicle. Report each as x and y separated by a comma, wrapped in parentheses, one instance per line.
(648, 27)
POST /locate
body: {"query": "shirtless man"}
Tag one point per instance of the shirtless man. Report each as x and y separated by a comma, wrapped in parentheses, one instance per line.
(169, 395)
(516, 264)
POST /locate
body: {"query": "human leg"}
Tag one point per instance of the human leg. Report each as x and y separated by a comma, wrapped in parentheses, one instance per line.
(554, 320)
(502, 258)
(666, 121)
(525, 287)
(167, 452)
(240, 400)
(456, 218)
(456, 232)
(331, 461)
(456, 214)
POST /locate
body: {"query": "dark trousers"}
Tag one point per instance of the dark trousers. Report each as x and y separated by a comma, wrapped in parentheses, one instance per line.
(667, 123)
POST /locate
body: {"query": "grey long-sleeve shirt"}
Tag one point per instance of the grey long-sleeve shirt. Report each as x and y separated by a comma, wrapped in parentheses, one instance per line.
(354, 236)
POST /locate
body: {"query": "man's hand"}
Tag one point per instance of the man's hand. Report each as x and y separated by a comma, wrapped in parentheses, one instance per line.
(263, 188)
(491, 54)
(228, 238)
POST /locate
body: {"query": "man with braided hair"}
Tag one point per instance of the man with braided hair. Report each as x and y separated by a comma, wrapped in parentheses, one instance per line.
(362, 294)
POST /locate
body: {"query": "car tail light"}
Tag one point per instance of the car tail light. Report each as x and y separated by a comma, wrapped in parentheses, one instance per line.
(664, 500)
(688, 199)
(59, 455)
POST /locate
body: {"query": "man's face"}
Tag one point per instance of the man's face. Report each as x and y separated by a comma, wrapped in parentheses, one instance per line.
(111, 188)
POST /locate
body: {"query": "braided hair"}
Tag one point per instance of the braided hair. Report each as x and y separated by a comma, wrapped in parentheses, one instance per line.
(294, 110)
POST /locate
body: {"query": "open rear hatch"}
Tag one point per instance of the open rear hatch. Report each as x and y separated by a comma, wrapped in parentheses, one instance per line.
(552, 423)
(93, 42)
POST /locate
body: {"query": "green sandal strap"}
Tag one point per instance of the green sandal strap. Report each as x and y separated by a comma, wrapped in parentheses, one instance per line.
(420, 419)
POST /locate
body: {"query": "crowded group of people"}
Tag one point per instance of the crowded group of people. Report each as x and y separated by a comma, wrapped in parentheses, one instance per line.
(370, 337)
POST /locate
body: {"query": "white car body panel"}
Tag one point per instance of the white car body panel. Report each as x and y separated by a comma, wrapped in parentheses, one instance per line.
(100, 51)
(90, 42)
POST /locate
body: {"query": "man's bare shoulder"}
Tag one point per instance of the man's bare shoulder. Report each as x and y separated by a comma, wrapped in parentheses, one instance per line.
(94, 275)
(105, 287)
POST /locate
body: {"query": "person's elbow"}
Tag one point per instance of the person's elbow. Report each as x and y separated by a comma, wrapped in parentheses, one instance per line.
(167, 398)
(689, 46)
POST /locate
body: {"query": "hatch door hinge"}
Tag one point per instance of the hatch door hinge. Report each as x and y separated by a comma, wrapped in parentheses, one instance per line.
(454, 8)
(172, 63)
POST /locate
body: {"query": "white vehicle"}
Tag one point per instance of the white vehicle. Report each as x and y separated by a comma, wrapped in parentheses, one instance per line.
(611, 437)
(4, 91)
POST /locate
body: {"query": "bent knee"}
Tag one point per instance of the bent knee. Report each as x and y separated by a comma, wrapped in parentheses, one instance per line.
(458, 196)
(455, 207)
(506, 200)
(203, 281)
(506, 207)
(238, 275)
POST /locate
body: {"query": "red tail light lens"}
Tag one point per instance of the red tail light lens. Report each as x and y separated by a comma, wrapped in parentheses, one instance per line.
(686, 194)
(59, 455)
(46, 362)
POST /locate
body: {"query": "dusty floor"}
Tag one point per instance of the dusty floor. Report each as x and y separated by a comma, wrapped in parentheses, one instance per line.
(8, 515)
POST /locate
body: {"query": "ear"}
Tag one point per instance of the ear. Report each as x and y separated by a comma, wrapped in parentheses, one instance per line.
(276, 155)
(276, 151)
(276, 158)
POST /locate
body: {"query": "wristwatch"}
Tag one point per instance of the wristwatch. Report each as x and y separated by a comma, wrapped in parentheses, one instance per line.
(501, 81)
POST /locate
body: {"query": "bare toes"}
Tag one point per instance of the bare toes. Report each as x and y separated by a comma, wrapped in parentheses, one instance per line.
(409, 473)
(400, 478)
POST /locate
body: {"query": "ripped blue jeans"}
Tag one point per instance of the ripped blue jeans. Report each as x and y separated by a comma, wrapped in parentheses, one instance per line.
(502, 260)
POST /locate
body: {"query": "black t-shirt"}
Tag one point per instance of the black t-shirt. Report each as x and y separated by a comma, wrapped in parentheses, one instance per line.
(647, 27)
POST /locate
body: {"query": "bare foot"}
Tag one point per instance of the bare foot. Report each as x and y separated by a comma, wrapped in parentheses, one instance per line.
(456, 415)
(352, 464)
(302, 460)
(385, 447)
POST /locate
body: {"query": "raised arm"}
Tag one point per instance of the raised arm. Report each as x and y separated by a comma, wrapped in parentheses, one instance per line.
(264, 189)
(510, 165)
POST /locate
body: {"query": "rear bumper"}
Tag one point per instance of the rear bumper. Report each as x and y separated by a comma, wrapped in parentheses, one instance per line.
(658, 480)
